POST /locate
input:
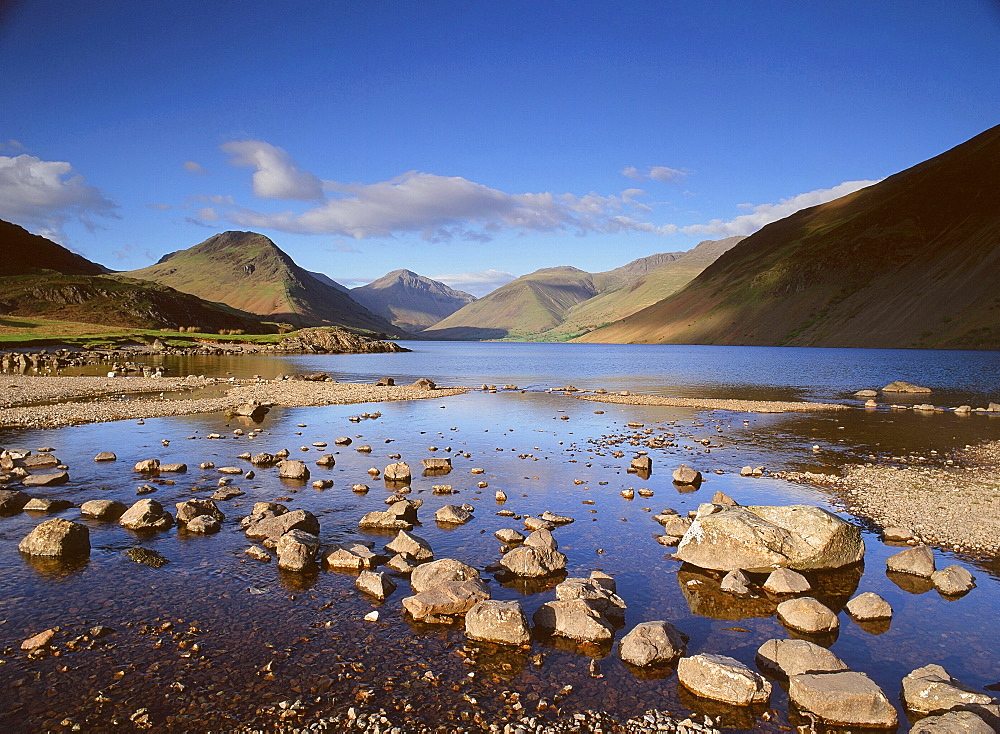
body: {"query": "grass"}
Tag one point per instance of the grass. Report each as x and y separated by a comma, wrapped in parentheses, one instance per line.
(29, 331)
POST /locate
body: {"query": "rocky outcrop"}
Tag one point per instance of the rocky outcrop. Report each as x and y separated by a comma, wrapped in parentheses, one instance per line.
(272, 527)
(761, 538)
(332, 340)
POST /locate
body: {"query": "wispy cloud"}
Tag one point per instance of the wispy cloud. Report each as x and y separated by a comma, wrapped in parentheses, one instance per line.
(276, 176)
(195, 168)
(159, 207)
(478, 283)
(44, 195)
(763, 214)
(664, 174)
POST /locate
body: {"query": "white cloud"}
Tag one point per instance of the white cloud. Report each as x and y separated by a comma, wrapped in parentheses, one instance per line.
(664, 174)
(763, 214)
(195, 168)
(277, 176)
(478, 283)
(44, 195)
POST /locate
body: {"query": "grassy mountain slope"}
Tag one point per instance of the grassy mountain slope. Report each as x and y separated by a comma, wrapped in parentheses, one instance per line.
(908, 262)
(409, 301)
(23, 253)
(248, 272)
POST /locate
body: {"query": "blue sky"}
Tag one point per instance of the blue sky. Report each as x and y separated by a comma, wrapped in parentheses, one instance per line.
(472, 140)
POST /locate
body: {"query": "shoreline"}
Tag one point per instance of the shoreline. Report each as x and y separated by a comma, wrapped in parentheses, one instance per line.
(738, 406)
(19, 395)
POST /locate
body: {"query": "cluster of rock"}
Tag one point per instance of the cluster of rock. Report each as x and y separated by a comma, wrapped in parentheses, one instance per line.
(333, 340)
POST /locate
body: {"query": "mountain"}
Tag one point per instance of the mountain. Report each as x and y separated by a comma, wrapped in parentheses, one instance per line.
(25, 253)
(409, 301)
(324, 278)
(556, 304)
(248, 272)
(907, 262)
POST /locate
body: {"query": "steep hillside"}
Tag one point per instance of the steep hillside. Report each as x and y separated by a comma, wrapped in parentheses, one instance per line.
(410, 301)
(639, 292)
(23, 253)
(908, 262)
(248, 272)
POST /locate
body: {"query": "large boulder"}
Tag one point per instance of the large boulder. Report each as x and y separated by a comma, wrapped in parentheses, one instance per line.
(146, 515)
(49, 479)
(273, 527)
(411, 546)
(190, 509)
(398, 472)
(869, 606)
(918, 561)
(501, 622)
(795, 657)
(378, 585)
(446, 600)
(297, 550)
(103, 509)
(532, 562)
(762, 538)
(951, 581)
(577, 619)
(452, 515)
(651, 643)
(723, 678)
(953, 722)
(842, 699)
(292, 469)
(604, 599)
(432, 574)
(58, 538)
(931, 689)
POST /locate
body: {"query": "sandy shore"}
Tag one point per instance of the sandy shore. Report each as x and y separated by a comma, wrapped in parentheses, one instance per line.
(956, 506)
(19, 392)
(739, 406)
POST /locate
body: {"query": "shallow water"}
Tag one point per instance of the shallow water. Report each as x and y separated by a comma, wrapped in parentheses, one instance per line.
(309, 628)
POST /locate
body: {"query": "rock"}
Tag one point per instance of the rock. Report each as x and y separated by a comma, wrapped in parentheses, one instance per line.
(411, 546)
(652, 643)
(40, 504)
(326, 460)
(103, 509)
(442, 466)
(343, 441)
(147, 465)
(273, 527)
(401, 515)
(896, 534)
(375, 584)
(541, 539)
(805, 614)
(577, 619)
(254, 411)
(445, 600)
(868, 606)
(786, 581)
(297, 550)
(686, 475)
(263, 459)
(350, 555)
(175, 468)
(398, 472)
(385, 382)
(292, 469)
(432, 574)
(106, 456)
(555, 519)
(866, 394)
(203, 525)
(905, 387)
(39, 461)
(674, 525)
(530, 562)
(641, 465)
(223, 494)
(12, 501)
(722, 678)
(191, 509)
(953, 722)
(424, 384)
(735, 583)
(500, 622)
(842, 699)
(950, 581)
(918, 561)
(761, 538)
(724, 500)
(57, 538)
(453, 515)
(146, 515)
(401, 563)
(50, 479)
(602, 598)
(536, 523)
(37, 642)
(930, 689)
(794, 657)
(509, 536)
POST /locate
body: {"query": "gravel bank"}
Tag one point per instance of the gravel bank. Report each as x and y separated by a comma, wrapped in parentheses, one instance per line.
(18, 392)
(739, 406)
(956, 506)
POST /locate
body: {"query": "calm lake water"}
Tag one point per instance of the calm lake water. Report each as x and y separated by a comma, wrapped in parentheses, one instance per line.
(264, 636)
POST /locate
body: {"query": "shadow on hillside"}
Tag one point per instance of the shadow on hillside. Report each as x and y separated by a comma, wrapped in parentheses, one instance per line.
(465, 333)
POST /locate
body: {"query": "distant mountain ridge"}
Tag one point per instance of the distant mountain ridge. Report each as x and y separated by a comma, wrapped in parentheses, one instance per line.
(907, 262)
(556, 304)
(247, 271)
(410, 301)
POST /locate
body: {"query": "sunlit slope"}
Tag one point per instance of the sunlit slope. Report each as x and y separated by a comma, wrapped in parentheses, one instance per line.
(249, 272)
(409, 301)
(909, 262)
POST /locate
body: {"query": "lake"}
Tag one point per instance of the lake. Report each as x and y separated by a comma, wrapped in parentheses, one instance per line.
(213, 639)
